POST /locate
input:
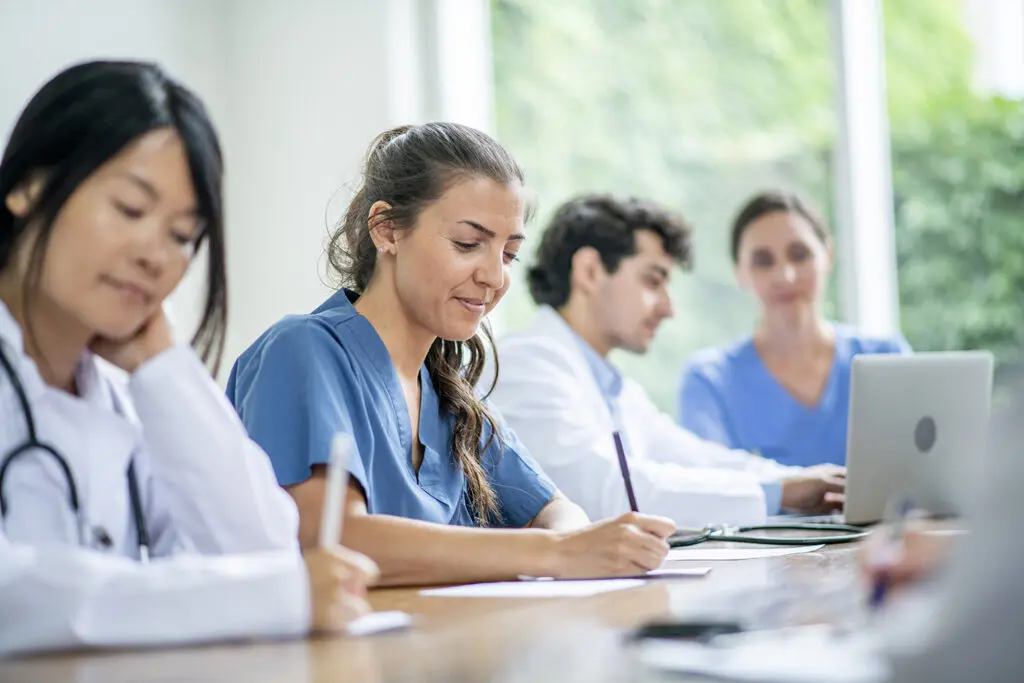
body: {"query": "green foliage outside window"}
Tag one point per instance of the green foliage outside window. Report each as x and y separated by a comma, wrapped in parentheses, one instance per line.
(698, 103)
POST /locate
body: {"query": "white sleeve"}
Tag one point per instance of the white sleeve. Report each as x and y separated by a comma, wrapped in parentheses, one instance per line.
(542, 400)
(61, 597)
(668, 442)
(219, 484)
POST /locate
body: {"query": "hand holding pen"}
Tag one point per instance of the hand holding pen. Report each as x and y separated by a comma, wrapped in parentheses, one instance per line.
(902, 552)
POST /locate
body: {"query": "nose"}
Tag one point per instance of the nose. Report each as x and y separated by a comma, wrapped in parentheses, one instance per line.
(152, 249)
(787, 273)
(490, 271)
(667, 308)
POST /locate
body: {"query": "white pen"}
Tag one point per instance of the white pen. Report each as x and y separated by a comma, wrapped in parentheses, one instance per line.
(337, 486)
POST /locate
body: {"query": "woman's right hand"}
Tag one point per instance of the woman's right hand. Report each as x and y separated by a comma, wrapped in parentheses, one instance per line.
(338, 579)
(629, 544)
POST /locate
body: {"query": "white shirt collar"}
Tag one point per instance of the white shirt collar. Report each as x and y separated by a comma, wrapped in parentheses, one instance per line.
(91, 386)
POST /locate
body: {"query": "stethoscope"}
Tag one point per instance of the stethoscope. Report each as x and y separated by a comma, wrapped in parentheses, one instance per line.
(33, 443)
(833, 534)
(682, 538)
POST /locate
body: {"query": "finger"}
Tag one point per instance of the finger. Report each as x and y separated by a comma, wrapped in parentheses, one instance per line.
(660, 527)
(646, 550)
(835, 498)
(834, 484)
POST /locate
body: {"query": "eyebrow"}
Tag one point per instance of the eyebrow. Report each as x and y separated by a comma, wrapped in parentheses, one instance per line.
(142, 183)
(517, 237)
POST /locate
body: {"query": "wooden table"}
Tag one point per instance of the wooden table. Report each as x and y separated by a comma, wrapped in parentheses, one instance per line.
(464, 639)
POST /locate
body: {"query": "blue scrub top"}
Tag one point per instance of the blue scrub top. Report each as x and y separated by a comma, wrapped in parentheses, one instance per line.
(311, 376)
(729, 396)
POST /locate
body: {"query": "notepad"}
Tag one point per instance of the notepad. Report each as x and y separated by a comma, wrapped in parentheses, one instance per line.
(697, 554)
(534, 589)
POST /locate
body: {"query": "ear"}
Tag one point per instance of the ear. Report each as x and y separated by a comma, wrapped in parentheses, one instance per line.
(382, 232)
(741, 277)
(587, 270)
(20, 200)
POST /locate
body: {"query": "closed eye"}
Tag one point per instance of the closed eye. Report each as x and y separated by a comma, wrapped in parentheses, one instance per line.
(466, 246)
(130, 212)
(510, 257)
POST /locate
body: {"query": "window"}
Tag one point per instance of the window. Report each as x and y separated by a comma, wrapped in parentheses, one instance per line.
(692, 103)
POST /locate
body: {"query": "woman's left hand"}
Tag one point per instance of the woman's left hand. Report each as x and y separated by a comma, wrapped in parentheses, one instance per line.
(152, 338)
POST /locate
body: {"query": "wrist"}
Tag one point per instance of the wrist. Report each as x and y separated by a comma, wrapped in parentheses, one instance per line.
(547, 558)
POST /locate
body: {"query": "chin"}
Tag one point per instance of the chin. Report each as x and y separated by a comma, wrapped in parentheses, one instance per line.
(119, 328)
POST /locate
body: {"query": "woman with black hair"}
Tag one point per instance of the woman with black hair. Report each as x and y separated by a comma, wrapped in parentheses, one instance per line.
(109, 185)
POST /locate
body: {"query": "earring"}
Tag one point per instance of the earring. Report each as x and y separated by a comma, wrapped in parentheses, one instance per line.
(380, 249)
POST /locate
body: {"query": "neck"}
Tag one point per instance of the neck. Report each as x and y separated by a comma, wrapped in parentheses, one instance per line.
(407, 343)
(790, 337)
(54, 340)
(577, 316)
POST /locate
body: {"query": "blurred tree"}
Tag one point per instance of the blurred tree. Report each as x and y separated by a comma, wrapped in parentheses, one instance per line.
(697, 104)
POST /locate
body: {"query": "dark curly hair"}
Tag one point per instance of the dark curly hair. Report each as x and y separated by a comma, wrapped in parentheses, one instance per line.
(607, 224)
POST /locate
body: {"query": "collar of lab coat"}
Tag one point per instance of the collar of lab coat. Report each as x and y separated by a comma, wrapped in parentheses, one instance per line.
(550, 325)
(93, 387)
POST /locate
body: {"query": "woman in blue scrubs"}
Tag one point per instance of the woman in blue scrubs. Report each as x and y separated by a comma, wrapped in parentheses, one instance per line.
(784, 392)
(423, 253)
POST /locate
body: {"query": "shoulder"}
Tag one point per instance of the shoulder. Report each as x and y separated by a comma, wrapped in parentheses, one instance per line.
(529, 351)
(853, 341)
(295, 350)
(717, 365)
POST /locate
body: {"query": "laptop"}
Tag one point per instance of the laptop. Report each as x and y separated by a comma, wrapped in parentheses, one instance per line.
(918, 426)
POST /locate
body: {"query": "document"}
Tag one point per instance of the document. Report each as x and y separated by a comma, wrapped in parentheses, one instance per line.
(676, 573)
(700, 554)
(811, 654)
(534, 589)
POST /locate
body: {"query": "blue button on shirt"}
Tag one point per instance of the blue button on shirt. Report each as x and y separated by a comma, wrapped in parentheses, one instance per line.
(609, 381)
(311, 376)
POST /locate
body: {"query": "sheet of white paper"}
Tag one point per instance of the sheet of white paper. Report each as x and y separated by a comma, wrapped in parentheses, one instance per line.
(534, 589)
(675, 573)
(813, 655)
(379, 622)
(699, 554)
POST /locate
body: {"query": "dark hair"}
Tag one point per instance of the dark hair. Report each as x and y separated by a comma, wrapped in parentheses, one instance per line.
(78, 121)
(409, 168)
(772, 201)
(609, 225)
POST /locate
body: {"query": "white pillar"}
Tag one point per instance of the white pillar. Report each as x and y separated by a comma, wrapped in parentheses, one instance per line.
(864, 199)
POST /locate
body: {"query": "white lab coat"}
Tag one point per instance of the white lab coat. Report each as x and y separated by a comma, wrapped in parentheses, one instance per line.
(549, 396)
(223, 533)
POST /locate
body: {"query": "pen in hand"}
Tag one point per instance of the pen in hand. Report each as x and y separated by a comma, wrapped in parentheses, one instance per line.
(889, 550)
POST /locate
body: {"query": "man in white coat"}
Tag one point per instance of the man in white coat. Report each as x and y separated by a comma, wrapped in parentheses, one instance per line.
(600, 278)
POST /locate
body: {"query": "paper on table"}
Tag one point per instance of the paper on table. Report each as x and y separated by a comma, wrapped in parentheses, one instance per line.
(677, 572)
(790, 655)
(534, 589)
(379, 622)
(712, 554)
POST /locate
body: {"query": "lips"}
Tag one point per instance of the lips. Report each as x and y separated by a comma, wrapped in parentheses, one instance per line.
(478, 306)
(137, 293)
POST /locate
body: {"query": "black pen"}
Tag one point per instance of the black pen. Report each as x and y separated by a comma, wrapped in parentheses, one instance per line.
(624, 468)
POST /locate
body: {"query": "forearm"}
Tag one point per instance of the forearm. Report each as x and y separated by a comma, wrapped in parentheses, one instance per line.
(411, 552)
(560, 514)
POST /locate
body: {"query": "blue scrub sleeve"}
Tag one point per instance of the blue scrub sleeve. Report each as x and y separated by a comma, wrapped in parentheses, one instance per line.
(699, 409)
(291, 400)
(522, 488)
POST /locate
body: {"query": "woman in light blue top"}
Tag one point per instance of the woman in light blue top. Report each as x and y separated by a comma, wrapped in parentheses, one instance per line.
(784, 392)
(424, 252)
